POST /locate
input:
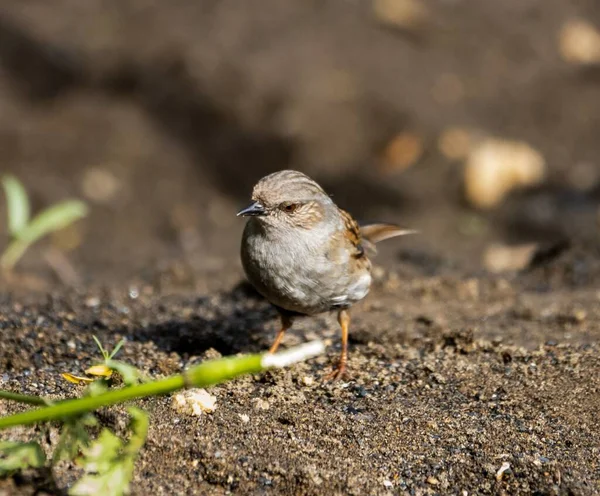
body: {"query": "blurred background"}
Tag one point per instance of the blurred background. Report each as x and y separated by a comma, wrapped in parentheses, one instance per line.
(477, 123)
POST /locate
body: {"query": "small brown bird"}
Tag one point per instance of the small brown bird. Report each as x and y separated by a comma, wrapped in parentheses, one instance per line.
(305, 254)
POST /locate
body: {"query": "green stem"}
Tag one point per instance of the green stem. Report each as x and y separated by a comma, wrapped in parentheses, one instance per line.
(13, 253)
(205, 374)
(24, 398)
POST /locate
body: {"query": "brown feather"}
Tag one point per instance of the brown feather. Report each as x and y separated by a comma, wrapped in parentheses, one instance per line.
(353, 234)
(380, 232)
(374, 233)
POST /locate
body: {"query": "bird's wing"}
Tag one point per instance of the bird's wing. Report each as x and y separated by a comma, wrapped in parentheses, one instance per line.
(364, 238)
(352, 232)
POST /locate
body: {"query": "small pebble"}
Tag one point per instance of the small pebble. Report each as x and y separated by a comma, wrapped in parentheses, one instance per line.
(433, 481)
(100, 185)
(94, 301)
(308, 381)
(579, 42)
(580, 315)
(402, 152)
(261, 404)
(194, 402)
(500, 258)
(495, 167)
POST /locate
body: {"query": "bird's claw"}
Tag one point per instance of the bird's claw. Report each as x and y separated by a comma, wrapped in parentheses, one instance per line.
(337, 373)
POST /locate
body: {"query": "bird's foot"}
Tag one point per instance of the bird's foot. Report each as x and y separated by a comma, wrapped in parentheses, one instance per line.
(337, 373)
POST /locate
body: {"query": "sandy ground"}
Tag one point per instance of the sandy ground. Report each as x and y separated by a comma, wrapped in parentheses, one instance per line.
(442, 391)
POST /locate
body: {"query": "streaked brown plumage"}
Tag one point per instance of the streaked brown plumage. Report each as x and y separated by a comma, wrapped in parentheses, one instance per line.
(305, 254)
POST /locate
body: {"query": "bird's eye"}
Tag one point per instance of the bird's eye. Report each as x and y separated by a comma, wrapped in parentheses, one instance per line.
(289, 207)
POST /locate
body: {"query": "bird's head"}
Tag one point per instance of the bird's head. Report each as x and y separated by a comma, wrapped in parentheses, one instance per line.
(288, 199)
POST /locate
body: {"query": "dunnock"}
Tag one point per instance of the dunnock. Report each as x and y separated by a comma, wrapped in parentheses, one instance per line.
(305, 254)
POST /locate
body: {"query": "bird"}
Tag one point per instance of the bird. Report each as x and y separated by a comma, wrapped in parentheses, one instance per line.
(306, 255)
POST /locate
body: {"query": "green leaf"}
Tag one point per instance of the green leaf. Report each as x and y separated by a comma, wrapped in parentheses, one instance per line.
(109, 463)
(96, 388)
(139, 427)
(131, 375)
(18, 456)
(52, 219)
(74, 437)
(102, 453)
(106, 472)
(17, 204)
(101, 348)
(113, 482)
(117, 348)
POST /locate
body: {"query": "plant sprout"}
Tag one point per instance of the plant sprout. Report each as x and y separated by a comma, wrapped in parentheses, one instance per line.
(23, 231)
(104, 370)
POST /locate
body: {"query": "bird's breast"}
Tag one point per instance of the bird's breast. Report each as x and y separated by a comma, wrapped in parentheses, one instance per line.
(297, 271)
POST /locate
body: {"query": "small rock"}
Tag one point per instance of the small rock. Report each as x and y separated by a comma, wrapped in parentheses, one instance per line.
(501, 258)
(265, 481)
(403, 151)
(579, 42)
(261, 404)
(388, 484)
(579, 315)
(92, 302)
(495, 167)
(99, 185)
(433, 481)
(211, 354)
(308, 381)
(244, 418)
(194, 402)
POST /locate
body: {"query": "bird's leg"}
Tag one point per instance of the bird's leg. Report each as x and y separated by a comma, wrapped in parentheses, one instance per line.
(286, 323)
(340, 370)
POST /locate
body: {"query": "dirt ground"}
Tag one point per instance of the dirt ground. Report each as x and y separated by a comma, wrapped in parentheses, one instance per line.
(162, 116)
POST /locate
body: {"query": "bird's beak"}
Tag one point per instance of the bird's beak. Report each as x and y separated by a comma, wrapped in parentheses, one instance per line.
(255, 209)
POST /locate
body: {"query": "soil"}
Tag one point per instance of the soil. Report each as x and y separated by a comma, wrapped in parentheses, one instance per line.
(163, 116)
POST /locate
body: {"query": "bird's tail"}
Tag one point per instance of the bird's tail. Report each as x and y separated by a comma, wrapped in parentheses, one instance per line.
(374, 233)
(379, 232)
